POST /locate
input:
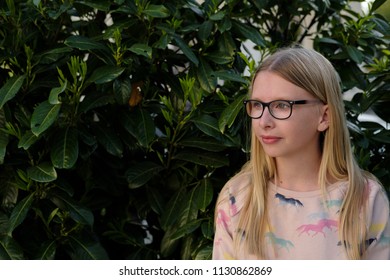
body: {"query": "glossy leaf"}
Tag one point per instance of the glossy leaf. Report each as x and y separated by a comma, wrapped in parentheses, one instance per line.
(187, 228)
(230, 113)
(47, 251)
(249, 33)
(208, 144)
(203, 194)
(100, 5)
(203, 158)
(65, 148)
(9, 249)
(109, 139)
(79, 213)
(206, 76)
(95, 100)
(208, 125)
(4, 139)
(105, 74)
(43, 172)
(173, 208)
(141, 49)
(186, 50)
(156, 11)
(82, 249)
(55, 92)
(140, 124)
(10, 89)
(140, 173)
(44, 115)
(83, 43)
(19, 212)
(27, 140)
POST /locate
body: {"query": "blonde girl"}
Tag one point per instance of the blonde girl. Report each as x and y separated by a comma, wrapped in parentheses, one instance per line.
(301, 195)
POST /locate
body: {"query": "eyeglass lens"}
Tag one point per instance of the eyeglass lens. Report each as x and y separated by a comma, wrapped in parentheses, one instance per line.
(279, 109)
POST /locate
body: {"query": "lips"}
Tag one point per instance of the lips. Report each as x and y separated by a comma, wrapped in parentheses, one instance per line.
(269, 139)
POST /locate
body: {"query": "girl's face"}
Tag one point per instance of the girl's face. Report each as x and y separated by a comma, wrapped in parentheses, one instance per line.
(296, 136)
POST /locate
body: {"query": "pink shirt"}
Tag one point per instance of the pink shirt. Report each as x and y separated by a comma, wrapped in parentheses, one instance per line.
(304, 225)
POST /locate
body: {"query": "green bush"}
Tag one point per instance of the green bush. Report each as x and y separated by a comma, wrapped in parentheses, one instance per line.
(120, 120)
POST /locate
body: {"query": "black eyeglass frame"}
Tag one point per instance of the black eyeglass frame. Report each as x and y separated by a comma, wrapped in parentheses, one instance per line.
(267, 104)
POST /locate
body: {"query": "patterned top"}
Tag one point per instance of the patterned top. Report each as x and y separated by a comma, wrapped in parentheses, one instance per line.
(303, 225)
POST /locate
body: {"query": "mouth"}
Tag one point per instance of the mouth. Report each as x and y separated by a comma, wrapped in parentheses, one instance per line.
(269, 139)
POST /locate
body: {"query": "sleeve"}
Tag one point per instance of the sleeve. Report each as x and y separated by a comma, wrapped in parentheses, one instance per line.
(378, 243)
(223, 238)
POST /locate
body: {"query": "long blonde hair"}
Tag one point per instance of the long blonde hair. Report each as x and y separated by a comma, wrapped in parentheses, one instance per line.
(313, 72)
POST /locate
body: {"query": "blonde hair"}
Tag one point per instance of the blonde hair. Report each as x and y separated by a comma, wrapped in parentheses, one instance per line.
(311, 71)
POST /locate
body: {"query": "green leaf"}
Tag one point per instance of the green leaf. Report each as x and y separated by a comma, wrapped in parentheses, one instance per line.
(250, 33)
(65, 148)
(139, 174)
(140, 124)
(327, 40)
(156, 200)
(95, 100)
(156, 11)
(122, 90)
(10, 89)
(382, 137)
(355, 54)
(208, 125)
(205, 253)
(47, 250)
(84, 249)
(186, 229)
(203, 194)
(208, 144)
(231, 76)
(206, 76)
(4, 139)
(84, 43)
(205, 30)
(202, 158)
(168, 245)
(377, 4)
(19, 213)
(186, 50)
(141, 49)
(9, 249)
(230, 113)
(78, 213)
(101, 5)
(27, 140)
(208, 229)
(105, 74)
(55, 92)
(44, 115)
(43, 173)
(220, 57)
(54, 55)
(172, 210)
(109, 139)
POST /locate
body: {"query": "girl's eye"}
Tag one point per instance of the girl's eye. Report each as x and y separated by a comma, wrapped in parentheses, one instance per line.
(257, 105)
(281, 105)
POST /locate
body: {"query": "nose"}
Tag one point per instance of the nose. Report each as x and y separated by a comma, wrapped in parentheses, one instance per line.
(266, 120)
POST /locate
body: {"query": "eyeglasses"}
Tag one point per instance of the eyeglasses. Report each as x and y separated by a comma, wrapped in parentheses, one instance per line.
(279, 109)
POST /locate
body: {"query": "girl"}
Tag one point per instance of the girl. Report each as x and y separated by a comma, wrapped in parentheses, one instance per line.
(301, 195)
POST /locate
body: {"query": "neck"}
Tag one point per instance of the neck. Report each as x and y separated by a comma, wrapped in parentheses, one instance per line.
(300, 174)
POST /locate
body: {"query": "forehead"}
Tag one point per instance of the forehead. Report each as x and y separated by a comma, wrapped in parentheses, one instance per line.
(268, 86)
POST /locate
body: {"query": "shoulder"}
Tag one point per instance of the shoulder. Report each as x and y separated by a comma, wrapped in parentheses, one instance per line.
(376, 192)
(377, 203)
(235, 192)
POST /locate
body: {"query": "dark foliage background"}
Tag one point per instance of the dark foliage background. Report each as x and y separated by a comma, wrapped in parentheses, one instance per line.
(120, 120)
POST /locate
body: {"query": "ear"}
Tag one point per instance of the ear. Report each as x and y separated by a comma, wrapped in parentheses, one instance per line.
(324, 119)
